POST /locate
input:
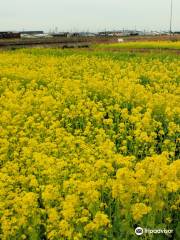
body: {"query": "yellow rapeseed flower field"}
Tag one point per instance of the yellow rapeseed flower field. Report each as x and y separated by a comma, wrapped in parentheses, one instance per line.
(142, 44)
(90, 144)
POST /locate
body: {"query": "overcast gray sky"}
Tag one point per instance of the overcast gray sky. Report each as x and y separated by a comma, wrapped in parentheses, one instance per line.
(92, 15)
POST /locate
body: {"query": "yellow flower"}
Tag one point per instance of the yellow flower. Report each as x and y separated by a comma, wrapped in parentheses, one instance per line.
(172, 187)
(139, 210)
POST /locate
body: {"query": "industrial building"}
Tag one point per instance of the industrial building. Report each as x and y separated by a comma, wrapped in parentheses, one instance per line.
(9, 35)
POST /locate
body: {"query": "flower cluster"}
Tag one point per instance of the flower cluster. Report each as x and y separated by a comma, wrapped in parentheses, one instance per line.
(89, 145)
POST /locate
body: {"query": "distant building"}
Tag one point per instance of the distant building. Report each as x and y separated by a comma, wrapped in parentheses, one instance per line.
(105, 34)
(32, 32)
(102, 34)
(9, 35)
(118, 33)
(75, 34)
(87, 34)
(133, 33)
(62, 34)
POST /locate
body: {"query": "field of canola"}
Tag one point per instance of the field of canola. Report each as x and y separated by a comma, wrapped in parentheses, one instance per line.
(89, 145)
(161, 45)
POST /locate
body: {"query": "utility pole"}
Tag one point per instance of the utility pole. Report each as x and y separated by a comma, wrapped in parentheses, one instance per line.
(171, 16)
